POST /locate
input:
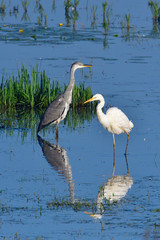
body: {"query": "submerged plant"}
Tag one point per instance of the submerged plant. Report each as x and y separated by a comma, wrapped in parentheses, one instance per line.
(74, 13)
(41, 12)
(2, 7)
(67, 4)
(127, 20)
(42, 16)
(104, 5)
(25, 4)
(106, 16)
(53, 5)
(126, 27)
(94, 16)
(45, 21)
(155, 9)
(71, 12)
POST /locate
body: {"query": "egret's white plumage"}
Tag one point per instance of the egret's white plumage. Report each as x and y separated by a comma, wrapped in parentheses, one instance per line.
(115, 121)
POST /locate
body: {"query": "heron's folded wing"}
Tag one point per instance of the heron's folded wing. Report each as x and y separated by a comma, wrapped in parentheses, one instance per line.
(54, 111)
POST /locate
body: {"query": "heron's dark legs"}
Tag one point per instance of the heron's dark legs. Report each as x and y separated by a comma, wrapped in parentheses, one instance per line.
(56, 132)
(57, 144)
(127, 143)
(114, 146)
(56, 137)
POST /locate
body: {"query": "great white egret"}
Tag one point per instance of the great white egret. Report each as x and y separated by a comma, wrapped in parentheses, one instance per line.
(114, 120)
(57, 110)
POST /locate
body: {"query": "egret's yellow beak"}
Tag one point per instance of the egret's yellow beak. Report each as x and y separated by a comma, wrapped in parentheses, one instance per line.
(90, 213)
(87, 212)
(89, 100)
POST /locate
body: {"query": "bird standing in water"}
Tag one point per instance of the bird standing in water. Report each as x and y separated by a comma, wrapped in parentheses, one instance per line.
(58, 108)
(114, 120)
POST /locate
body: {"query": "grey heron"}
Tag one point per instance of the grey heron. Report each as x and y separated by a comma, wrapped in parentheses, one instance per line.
(58, 108)
(114, 120)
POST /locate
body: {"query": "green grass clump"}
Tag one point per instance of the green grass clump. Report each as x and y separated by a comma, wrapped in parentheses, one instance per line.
(25, 90)
(35, 90)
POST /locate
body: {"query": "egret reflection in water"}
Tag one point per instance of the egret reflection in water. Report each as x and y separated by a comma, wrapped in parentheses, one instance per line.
(112, 191)
(58, 159)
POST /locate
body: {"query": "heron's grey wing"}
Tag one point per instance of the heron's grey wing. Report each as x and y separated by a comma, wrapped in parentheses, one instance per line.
(52, 154)
(53, 112)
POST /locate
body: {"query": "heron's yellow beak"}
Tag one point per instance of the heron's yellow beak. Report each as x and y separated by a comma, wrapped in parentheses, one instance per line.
(89, 100)
(87, 65)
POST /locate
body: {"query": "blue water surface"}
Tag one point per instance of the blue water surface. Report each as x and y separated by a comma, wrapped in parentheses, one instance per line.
(126, 72)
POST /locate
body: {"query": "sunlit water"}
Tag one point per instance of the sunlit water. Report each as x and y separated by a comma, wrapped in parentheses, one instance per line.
(33, 174)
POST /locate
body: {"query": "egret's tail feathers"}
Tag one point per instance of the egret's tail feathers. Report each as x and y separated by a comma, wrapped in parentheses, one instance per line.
(131, 124)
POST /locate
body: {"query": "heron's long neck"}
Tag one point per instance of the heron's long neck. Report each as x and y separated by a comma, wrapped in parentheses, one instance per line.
(69, 89)
(100, 114)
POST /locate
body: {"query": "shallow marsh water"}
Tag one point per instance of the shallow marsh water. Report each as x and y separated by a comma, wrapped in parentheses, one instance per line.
(126, 72)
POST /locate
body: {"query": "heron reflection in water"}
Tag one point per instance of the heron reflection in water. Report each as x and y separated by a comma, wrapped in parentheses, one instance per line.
(112, 191)
(58, 159)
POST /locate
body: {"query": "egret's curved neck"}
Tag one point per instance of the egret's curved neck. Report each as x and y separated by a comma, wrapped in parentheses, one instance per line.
(101, 105)
(101, 116)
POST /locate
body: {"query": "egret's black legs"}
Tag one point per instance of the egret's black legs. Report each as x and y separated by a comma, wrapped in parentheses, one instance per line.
(114, 147)
(127, 165)
(127, 143)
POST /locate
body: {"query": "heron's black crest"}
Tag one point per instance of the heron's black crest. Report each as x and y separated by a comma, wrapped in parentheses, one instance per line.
(76, 63)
